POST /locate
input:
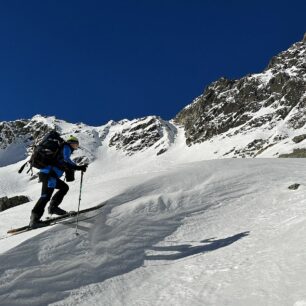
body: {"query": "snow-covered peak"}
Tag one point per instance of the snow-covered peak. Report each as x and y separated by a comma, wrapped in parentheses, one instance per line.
(255, 113)
(127, 136)
(44, 119)
(291, 60)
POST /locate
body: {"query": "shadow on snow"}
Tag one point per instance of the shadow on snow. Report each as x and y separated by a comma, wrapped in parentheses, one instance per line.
(186, 250)
(50, 267)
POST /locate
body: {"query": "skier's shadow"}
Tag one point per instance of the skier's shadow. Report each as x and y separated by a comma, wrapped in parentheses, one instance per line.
(186, 250)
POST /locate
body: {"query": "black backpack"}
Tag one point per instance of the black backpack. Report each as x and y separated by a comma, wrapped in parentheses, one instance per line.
(47, 152)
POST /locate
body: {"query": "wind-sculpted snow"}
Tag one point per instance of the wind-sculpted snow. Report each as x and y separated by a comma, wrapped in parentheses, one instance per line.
(114, 241)
(206, 228)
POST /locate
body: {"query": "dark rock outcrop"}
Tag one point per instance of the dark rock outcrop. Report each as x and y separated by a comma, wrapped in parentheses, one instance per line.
(6, 203)
(297, 153)
(294, 186)
(300, 138)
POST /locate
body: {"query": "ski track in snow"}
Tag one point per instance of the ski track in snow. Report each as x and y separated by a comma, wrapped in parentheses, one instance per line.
(224, 232)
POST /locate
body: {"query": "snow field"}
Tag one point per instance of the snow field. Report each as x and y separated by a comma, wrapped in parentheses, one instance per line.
(225, 232)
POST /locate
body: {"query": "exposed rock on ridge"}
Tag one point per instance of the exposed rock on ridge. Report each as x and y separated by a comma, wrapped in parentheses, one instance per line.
(129, 137)
(144, 133)
(274, 98)
(21, 130)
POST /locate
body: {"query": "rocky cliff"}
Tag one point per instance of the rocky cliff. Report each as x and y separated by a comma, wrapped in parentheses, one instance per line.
(273, 101)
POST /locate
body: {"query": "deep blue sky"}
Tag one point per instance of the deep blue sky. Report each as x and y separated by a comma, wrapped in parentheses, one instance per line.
(93, 61)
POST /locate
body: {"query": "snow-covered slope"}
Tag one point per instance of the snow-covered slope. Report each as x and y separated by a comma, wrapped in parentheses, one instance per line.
(225, 232)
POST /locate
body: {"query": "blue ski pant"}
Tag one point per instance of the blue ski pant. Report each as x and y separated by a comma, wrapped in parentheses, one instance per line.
(48, 186)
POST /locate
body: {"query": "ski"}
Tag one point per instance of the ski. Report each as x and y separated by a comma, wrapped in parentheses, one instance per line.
(52, 221)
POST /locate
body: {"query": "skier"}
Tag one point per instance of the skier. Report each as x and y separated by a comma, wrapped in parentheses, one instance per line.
(50, 178)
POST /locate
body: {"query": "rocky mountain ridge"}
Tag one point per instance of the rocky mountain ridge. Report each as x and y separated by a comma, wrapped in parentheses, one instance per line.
(140, 134)
(261, 114)
(273, 101)
(126, 136)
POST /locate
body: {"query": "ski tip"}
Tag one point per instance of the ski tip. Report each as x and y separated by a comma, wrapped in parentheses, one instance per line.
(17, 230)
(12, 231)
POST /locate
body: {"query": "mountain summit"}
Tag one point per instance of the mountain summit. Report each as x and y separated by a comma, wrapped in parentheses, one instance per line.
(267, 108)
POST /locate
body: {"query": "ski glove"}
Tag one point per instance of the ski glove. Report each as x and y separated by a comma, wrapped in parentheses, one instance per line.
(81, 168)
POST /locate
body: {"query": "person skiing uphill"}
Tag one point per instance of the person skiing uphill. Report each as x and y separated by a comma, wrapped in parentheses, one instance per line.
(49, 176)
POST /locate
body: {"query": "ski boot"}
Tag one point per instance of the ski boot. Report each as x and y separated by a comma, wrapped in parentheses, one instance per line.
(35, 222)
(55, 210)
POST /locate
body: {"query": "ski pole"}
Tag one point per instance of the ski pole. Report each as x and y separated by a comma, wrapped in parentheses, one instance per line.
(80, 196)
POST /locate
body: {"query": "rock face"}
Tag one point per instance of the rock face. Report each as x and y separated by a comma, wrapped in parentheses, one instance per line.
(6, 203)
(18, 137)
(297, 153)
(21, 130)
(269, 100)
(141, 134)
